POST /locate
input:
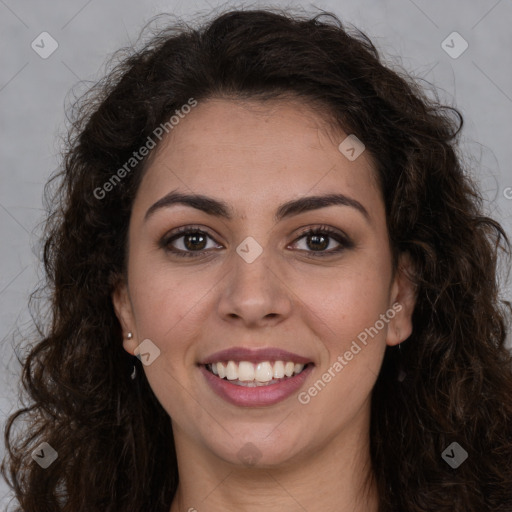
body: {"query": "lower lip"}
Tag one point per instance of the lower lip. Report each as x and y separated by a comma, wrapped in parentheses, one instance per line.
(258, 396)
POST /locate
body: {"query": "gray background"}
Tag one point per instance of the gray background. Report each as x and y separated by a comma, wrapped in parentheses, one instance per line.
(33, 92)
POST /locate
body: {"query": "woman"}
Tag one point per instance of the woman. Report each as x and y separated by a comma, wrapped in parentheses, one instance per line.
(273, 289)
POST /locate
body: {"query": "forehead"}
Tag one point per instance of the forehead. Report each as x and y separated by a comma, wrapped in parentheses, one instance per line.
(253, 151)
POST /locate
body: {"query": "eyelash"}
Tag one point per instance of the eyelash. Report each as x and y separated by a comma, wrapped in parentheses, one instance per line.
(345, 242)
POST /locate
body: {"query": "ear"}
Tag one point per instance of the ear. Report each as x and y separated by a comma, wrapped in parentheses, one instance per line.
(124, 312)
(403, 299)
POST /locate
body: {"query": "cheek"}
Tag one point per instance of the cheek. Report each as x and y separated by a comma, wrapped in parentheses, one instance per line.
(163, 293)
(169, 307)
(345, 315)
(348, 300)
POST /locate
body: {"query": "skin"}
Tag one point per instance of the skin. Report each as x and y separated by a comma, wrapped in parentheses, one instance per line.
(256, 156)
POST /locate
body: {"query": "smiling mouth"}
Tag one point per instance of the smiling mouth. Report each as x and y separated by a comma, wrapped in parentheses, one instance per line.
(248, 374)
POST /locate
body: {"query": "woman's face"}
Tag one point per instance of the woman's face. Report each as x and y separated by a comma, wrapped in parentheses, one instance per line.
(254, 285)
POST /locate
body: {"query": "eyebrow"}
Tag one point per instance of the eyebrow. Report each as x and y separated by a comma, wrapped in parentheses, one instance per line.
(218, 208)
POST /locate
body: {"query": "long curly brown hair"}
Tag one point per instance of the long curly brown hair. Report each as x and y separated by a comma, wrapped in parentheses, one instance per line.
(113, 438)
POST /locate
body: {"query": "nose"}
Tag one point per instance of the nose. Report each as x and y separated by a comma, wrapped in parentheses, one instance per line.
(254, 294)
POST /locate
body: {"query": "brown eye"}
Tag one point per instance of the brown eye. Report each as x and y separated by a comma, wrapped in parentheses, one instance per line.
(187, 241)
(318, 240)
(194, 241)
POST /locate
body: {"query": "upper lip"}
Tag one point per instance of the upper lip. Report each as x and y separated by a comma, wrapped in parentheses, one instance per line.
(254, 355)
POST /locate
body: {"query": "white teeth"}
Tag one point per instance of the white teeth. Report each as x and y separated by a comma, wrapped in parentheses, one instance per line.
(231, 371)
(264, 372)
(249, 373)
(221, 369)
(278, 370)
(245, 371)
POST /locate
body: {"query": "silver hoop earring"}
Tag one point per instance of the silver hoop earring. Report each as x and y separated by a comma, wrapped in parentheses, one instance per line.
(129, 336)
